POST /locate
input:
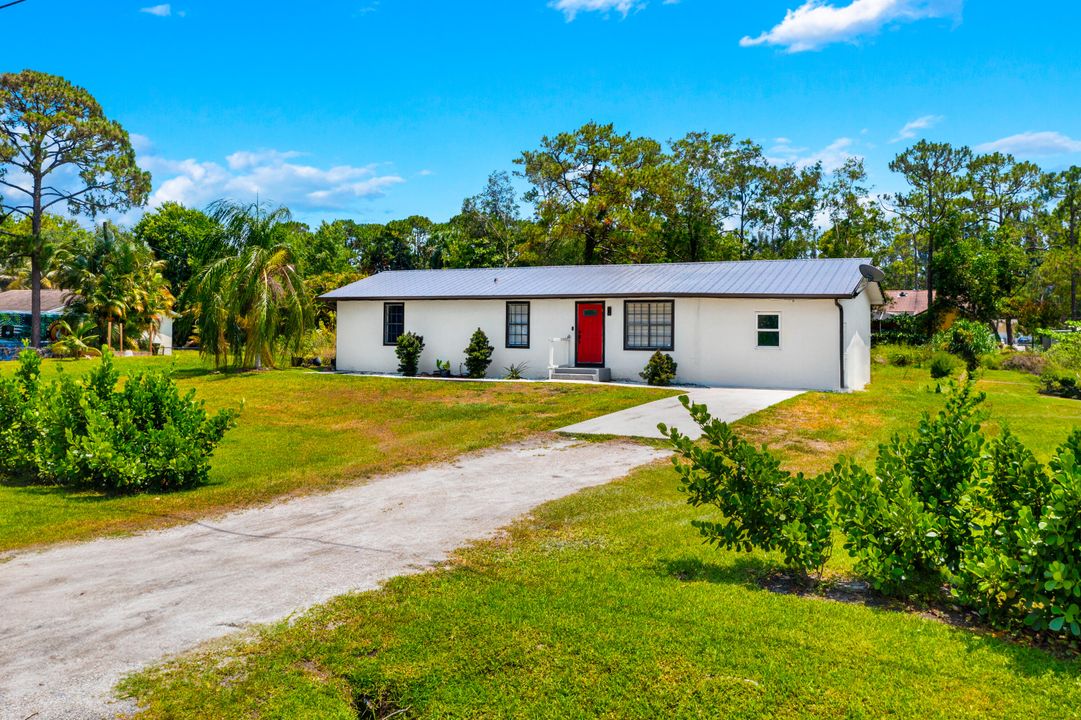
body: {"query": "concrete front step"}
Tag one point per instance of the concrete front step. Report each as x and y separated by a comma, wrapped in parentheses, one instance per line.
(575, 373)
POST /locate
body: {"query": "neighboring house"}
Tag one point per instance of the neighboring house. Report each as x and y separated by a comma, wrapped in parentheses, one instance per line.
(769, 324)
(15, 316)
(902, 302)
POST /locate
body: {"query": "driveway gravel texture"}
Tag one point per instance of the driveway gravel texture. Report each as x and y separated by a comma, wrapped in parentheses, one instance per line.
(75, 619)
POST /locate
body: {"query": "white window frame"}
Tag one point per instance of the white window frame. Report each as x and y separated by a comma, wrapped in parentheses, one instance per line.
(757, 329)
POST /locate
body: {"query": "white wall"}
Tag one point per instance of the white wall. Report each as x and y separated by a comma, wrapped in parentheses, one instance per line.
(715, 339)
(857, 341)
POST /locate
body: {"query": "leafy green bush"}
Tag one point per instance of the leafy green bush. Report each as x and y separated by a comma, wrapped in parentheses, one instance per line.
(906, 524)
(478, 355)
(763, 506)
(943, 365)
(968, 340)
(660, 370)
(409, 347)
(1063, 383)
(1065, 350)
(87, 432)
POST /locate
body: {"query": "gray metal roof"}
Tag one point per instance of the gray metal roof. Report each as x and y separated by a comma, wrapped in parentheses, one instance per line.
(825, 278)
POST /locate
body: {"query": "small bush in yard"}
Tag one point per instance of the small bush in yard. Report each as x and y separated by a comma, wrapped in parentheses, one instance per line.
(968, 340)
(907, 522)
(87, 432)
(763, 506)
(410, 346)
(943, 365)
(478, 355)
(1063, 383)
(660, 370)
(1066, 348)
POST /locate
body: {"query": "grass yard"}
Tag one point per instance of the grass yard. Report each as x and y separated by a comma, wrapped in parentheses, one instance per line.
(605, 604)
(301, 431)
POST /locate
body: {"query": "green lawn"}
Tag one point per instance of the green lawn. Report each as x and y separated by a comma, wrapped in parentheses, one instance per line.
(301, 431)
(605, 604)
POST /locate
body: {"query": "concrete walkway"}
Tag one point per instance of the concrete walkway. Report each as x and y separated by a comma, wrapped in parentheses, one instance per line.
(727, 404)
(75, 619)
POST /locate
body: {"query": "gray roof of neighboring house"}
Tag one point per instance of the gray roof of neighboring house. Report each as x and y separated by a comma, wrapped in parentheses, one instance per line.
(19, 300)
(822, 278)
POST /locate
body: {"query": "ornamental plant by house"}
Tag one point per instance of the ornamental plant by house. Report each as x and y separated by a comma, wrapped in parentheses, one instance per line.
(660, 370)
(409, 347)
(478, 355)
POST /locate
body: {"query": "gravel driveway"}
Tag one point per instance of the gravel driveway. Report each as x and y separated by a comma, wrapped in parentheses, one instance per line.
(75, 619)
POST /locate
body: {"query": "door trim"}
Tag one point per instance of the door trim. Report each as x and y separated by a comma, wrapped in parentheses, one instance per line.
(604, 332)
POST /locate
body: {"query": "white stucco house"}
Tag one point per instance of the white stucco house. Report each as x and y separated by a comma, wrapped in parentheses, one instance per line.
(800, 324)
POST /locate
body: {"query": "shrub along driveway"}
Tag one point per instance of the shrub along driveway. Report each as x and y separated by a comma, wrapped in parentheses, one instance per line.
(77, 618)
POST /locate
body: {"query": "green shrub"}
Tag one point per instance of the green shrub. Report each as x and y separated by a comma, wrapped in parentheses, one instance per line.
(87, 432)
(1065, 350)
(478, 355)
(906, 524)
(944, 509)
(409, 347)
(968, 340)
(943, 365)
(660, 370)
(762, 505)
(1063, 383)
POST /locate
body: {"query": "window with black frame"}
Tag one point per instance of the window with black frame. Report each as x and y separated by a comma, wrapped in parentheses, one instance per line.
(769, 330)
(518, 325)
(393, 322)
(648, 325)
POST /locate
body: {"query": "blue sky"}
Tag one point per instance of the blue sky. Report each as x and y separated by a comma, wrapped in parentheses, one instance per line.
(377, 109)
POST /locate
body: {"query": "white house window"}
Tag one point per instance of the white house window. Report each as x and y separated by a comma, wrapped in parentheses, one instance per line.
(647, 325)
(393, 322)
(769, 330)
(517, 324)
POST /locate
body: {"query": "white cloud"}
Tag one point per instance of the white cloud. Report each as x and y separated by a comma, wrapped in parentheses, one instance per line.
(571, 8)
(269, 174)
(912, 127)
(159, 10)
(815, 23)
(832, 156)
(1034, 144)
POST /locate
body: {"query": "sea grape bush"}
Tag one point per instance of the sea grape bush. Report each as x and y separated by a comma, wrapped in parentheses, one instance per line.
(763, 506)
(906, 522)
(943, 510)
(87, 432)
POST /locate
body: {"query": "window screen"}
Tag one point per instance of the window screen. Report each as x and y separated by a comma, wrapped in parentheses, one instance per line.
(648, 325)
(393, 322)
(769, 330)
(517, 324)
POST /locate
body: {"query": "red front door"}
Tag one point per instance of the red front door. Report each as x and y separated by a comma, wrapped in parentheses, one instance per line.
(590, 334)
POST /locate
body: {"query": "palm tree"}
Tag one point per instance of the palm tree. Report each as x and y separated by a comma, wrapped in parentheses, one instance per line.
(75, 341)
(252, 304)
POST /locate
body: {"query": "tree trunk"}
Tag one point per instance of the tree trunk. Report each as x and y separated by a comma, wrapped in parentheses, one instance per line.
(35, 299)
(35, 266)
(109, 334)
(930, 267)
(121, 324)
(1009, 332)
